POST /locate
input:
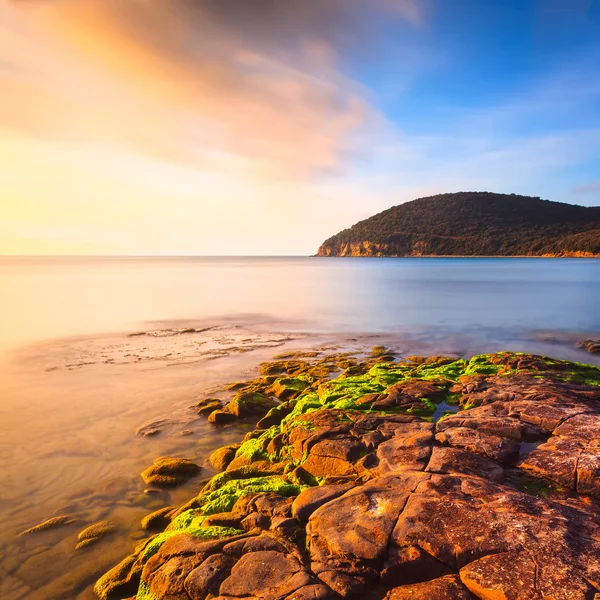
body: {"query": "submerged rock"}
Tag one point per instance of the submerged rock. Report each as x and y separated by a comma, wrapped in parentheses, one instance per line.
(170, 471)
(93, 533)
(49, 524)
(592, 346)
(353, 492)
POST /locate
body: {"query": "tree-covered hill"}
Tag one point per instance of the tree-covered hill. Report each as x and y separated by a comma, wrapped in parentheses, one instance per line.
(473, 224)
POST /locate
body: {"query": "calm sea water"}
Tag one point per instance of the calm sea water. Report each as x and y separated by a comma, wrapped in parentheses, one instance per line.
(76, 386)
(45, 298)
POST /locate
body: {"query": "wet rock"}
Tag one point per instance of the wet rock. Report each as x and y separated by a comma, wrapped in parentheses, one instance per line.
(121, 581)
(221, 457)
(208, 405)
(249, 404)
(49, 524)
(170, 471)
(157, 520)
(94, 533)
(220, 417)
(592, 346)
(288, 388)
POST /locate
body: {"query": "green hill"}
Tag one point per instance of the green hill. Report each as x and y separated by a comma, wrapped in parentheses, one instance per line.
(473, 224)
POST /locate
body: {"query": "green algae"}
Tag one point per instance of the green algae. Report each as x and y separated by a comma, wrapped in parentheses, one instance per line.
(207, 533)
(222, 499)
(144, 592)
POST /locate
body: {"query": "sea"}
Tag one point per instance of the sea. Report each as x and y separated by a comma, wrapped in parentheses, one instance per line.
(98, 352)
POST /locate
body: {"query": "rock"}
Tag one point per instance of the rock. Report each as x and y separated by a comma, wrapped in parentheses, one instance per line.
(448, 587)
(454, 460)
(339, 499)
(170, 471)
(94, 533)
(372, 509)
(259, 572)
(220, 417)
(288, 388)
(493, 446)
(227, 519)
(121, 581)
(556, 460)
(255, 521)
(514, 575)
(168, 580)
(49, 524)
(592, 346)
(157, 520)
(259, 543)
(409, 449)
(185, 432)
(312, 498)
(313, 592)
(249, 404)
(207, 578)
(410, 564)
(221, 457)
(208, 405)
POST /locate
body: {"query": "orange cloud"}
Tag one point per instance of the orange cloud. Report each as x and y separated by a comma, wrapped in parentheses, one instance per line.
(239, 96)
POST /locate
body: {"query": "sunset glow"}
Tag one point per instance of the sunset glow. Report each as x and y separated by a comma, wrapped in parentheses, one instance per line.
(172, 127)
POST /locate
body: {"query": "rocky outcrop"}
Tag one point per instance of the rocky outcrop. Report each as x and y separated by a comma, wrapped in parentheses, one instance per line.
(473, 224)
(341, 498)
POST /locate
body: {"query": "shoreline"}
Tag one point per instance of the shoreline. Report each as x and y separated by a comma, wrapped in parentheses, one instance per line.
(48, 561)
(592, 256)
(333, 446)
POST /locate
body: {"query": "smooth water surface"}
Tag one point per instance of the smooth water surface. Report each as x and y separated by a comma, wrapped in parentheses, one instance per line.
(45, 298)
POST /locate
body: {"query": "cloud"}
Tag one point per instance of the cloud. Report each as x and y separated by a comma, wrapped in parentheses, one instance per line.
(587, 188)
(260, 82)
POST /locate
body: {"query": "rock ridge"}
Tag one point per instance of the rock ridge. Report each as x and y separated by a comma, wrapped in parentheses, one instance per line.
(349, 488)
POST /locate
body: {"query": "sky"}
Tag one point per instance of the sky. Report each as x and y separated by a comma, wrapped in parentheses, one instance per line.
(263, 127)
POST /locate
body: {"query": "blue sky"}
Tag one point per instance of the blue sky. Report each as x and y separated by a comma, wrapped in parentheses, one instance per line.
(504, 94)
(264, 127)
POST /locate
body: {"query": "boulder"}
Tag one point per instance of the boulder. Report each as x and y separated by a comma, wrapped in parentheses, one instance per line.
(168, 471)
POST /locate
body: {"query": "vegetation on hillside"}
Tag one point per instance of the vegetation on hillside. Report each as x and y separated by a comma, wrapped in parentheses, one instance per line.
(473, 224)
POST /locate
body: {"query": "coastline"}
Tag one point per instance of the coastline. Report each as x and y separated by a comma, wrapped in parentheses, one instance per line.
(374, 432)
(498, 256)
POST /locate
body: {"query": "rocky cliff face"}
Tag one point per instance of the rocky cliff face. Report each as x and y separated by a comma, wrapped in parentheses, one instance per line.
(427, 478)
(473, 224)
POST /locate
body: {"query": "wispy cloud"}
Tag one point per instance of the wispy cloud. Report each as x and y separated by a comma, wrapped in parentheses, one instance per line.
(587, 188)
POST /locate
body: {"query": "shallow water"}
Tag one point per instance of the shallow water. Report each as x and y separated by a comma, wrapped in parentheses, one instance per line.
(76, 385)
